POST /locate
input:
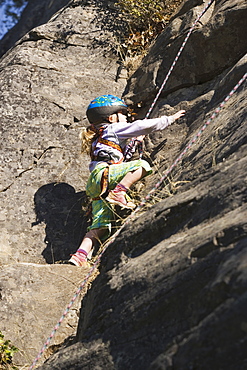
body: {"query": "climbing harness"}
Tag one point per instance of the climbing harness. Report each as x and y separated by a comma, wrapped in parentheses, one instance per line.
(143, 202)
(99, 139)
(103, 156)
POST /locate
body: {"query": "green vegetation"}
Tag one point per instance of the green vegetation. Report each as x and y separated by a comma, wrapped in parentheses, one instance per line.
(7, 351)
(146, 20)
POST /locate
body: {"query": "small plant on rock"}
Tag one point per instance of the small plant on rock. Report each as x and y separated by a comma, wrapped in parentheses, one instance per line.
(146, 20)
(7, 351)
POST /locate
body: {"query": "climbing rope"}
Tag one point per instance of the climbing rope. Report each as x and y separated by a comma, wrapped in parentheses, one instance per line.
(178, 159)
(56, 327)
(130, 218)
(140, 144)
(176, 58)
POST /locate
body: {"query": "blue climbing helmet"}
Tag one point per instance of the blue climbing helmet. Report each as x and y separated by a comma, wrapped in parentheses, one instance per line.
(103, 106)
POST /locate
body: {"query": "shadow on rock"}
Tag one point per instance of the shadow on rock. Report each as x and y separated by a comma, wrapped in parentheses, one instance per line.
(61, 209)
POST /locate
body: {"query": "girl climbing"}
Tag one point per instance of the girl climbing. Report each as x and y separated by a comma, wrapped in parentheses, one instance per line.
(110, 175)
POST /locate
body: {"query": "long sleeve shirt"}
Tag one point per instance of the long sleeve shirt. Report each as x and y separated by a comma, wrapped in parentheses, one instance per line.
(120, 132)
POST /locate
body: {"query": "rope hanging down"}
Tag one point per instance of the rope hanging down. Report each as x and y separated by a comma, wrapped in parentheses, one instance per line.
(113, 238)
(140, 145)
(176, 58)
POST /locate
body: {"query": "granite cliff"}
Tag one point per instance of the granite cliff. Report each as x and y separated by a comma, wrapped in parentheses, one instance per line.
(171, 289)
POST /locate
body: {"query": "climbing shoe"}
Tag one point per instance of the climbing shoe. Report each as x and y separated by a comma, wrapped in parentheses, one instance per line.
(79, 259)
(119, 198)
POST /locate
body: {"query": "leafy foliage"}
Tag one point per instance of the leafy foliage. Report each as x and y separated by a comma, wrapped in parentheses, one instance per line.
(7, 351)
(146, 20)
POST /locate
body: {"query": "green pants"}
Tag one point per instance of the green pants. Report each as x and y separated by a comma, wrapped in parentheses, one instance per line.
(101, 209)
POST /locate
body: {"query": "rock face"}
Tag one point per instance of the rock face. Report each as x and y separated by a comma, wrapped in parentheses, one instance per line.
(47, 81)
(171, 293)
(217, 44)
(33, 298)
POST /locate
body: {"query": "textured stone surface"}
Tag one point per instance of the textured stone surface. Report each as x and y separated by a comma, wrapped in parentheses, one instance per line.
(33, 298)
(172, 289)
(47, 80)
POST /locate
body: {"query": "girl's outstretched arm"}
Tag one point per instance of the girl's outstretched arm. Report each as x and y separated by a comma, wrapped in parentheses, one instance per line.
(126, 130)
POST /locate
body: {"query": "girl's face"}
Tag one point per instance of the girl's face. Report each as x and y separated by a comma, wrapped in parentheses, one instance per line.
(122, 117)
(117, 117)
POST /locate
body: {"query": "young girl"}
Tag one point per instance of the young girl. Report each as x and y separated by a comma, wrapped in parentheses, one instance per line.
(111, 176)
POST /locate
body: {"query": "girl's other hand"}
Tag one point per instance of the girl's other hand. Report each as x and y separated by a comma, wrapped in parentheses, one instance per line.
(140, 138)
(179, 114)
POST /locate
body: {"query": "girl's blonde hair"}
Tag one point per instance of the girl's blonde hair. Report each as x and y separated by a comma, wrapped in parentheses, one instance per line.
(87, 137)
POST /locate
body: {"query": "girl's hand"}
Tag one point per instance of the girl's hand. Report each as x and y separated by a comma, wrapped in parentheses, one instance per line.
(140, 138)
(179, 114)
